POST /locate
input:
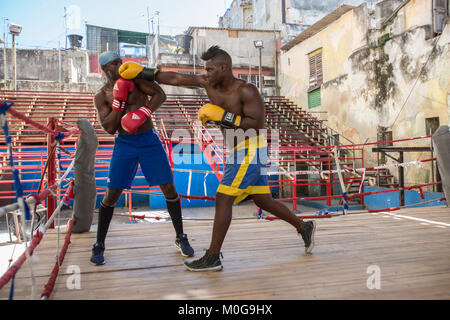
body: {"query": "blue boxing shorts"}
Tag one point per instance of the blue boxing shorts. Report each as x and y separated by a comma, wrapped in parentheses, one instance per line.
(145, 149)
(245, 170)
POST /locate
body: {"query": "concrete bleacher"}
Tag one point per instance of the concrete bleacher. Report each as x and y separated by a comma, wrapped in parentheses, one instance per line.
(40, 105)
(296, 126)
(178, 112)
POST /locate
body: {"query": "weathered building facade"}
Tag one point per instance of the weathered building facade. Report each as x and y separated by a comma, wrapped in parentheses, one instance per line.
(377, 74)
(239, 43)
(51, 70)
(289, 16)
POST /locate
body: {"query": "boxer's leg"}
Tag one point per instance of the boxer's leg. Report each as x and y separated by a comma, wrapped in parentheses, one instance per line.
(105, 213)
(173, 203)
(157, 171)
(173, 206)
(122, 170)
(267, 203)
(305, 229)
(222, 220)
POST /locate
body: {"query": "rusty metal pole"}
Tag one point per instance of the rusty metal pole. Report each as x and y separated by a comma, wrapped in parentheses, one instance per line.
(294, 186)
(51, 157)
(401, 179)
(330, 181)
(14, 87)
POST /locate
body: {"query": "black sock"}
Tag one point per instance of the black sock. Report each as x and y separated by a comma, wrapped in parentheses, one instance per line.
(105, 214)
(174, 208)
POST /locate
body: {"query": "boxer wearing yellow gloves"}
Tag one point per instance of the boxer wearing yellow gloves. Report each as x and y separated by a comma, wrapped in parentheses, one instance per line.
(235, 104)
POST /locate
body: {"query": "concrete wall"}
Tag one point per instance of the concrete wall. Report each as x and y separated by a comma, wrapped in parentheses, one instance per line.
(267, 14)
(384, 9)
(238, 15)
(310, 11)
(417, 13)
(45, 65)
(234, 16)
(92, 85)
(394, 77)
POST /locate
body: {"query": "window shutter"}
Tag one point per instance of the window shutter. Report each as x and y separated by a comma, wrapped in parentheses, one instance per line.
(314, 99)
(315, 69)
(319, 68)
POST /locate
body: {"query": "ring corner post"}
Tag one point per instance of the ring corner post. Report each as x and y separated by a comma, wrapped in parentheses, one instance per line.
(51, 158)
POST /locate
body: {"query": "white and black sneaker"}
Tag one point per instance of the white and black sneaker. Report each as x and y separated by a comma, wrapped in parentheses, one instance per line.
(182, 243)
(209, 262)
(97, 258)
(306, 231)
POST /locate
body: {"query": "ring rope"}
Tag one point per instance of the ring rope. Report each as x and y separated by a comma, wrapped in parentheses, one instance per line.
(24, 209)
(7, 276)
(407, 206)
(36, 240)
(320, 172)
(57, 134)
(36, 198)
(48, 289)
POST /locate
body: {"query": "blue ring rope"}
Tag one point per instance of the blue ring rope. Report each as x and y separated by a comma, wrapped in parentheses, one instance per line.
(17, 185)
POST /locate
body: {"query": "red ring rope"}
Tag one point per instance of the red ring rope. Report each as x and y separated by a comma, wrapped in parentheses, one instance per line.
(19, 262)
(48, 289)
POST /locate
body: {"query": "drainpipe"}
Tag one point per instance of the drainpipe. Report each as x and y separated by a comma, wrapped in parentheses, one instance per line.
(277, 87)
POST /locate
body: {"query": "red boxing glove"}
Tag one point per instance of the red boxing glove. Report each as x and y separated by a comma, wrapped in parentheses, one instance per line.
(120, 93)
(134, 119)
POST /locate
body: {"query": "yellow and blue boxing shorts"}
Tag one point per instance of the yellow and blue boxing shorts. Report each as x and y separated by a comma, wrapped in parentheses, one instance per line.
(245, 170)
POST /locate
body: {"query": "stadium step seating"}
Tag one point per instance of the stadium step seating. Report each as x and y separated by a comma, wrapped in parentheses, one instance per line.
(295, 126)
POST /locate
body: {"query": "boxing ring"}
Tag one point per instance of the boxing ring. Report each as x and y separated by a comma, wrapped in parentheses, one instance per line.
(148, 255)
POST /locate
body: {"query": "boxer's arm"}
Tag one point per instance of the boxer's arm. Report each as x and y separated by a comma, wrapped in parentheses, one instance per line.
(151, 88)
(253, 110)
(108, 118)
(181, 79)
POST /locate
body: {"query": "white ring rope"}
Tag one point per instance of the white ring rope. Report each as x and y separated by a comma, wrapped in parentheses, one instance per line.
(31, 200)
(319, 172)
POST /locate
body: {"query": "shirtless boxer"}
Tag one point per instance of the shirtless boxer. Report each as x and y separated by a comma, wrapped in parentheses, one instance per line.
(235, 105)
(124, 106)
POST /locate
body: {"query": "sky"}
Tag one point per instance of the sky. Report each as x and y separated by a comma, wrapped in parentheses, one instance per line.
(43, 22)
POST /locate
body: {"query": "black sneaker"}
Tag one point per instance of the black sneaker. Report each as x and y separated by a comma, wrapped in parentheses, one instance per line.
(306, 231)
(209, 262)
(97, 254)
(182, 243)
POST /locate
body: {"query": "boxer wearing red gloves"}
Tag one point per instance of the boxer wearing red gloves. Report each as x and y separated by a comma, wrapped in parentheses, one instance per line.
(124, 106)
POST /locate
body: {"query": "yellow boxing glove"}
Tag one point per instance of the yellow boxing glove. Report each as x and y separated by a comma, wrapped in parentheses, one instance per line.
(215, 114)
(131, 70)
